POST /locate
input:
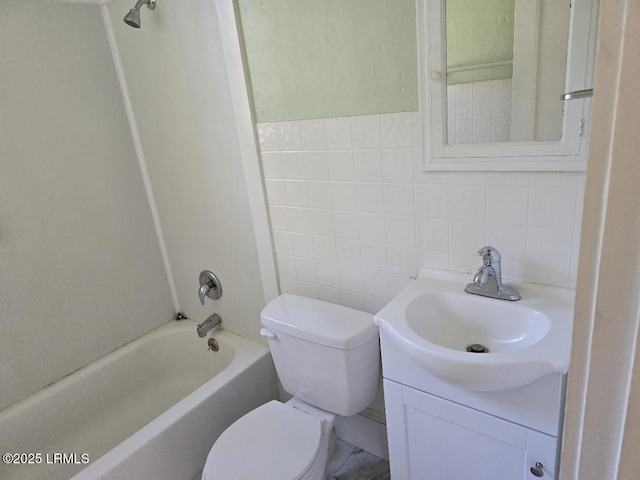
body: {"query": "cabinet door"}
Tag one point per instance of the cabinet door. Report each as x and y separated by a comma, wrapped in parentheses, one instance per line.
(447, 441)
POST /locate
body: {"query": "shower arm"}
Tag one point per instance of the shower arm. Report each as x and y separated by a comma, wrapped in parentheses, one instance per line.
(151, 4)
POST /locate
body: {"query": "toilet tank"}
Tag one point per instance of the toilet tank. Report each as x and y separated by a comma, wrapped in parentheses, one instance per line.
(325, 354)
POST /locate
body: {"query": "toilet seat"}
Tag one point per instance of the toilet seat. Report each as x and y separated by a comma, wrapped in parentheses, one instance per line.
(273, 441)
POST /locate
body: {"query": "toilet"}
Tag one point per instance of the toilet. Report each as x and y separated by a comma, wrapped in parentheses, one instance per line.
(327, 356)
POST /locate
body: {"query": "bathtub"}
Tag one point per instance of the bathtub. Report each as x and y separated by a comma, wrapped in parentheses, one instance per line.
(151, 409)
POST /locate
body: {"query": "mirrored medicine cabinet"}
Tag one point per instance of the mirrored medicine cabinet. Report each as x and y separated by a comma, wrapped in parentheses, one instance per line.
(492, 77)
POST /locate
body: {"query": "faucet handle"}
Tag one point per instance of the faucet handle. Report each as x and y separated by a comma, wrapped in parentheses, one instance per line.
(490, 255)
(202, 291)
(210, 286)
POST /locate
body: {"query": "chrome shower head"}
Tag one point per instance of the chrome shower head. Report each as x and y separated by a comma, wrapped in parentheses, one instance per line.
(133, 17)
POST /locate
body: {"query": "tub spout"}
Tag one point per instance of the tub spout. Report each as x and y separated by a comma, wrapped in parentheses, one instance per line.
(213, 321)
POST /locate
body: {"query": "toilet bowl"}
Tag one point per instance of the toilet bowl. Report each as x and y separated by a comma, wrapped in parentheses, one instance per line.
(326, 356)
(274, 441)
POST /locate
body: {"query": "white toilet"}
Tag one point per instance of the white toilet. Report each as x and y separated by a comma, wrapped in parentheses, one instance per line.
(327, 357)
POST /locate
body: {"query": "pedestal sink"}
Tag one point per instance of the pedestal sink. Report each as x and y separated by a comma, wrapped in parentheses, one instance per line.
(481, 343)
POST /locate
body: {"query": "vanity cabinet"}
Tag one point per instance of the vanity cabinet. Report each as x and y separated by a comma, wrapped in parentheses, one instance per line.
(438, 431)
(438, 439)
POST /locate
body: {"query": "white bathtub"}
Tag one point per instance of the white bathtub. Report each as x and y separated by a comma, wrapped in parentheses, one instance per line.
(149, 410)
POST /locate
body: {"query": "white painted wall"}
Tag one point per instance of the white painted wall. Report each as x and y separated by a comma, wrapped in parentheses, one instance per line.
(81, 271)
(176, 78)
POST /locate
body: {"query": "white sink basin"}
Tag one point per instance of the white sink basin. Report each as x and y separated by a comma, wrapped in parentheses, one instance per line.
(435, 322)
(457, 321)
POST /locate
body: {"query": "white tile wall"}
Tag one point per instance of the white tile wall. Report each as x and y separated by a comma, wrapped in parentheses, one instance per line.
(354, 216)
(478, 112)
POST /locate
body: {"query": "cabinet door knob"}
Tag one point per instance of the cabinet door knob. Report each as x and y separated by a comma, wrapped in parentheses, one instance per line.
(537, 469)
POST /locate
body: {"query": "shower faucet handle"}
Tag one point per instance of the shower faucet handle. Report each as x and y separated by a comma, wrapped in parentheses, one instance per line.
(210, 286)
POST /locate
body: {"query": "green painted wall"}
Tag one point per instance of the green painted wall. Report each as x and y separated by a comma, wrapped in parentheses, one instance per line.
(479, 34)
(330, 58)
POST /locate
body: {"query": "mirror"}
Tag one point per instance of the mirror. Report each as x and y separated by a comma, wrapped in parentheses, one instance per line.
(505, 70)
(493, 76)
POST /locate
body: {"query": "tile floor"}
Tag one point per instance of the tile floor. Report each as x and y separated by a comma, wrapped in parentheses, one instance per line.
(352, 463)
(349, 462)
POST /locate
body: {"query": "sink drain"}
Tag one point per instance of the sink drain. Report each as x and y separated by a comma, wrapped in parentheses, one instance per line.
(477, 348)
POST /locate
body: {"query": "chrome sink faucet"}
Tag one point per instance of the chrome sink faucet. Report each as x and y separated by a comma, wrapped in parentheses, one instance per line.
(487, 281)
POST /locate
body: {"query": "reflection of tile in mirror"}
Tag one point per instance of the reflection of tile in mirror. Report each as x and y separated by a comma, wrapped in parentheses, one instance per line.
(477, 101)
(502, 88)
(464, 92)
(502, 107)
(464, 111)
(482, 109)
(482, 90)
(482, 130)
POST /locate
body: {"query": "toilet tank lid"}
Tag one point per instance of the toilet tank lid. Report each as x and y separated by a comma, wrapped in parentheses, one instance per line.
(319, 322)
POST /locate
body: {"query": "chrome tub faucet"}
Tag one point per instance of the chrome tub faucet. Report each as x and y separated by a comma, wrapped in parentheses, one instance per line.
(213, 321)
(487, 281)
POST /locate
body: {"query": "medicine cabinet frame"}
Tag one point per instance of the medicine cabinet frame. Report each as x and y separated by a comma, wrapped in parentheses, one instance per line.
(567, 154)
